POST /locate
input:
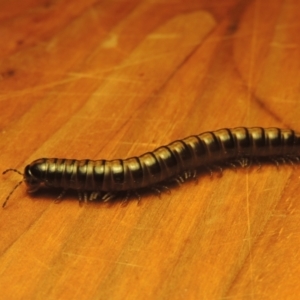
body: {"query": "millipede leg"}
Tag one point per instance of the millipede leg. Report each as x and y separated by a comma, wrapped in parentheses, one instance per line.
(156, 190)
(85, 197)
(93, 196)
(80, 198)
(187, 175)
(194, 174)
(209, 170)
(244, 162)
(257, 162)
(137, 196)
(275, 161)
(232, 165)
(195, 177)
(293, 160)
(167, 190)
(159, 188)
(214, 167)
(61, 195)
(178, 179)
(108, 196)
(126, 198)
(128, 193)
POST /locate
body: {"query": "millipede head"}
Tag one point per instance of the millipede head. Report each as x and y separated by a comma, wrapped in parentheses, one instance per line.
(16, 186)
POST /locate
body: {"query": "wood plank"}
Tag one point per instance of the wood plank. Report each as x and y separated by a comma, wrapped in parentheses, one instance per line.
(114, 79)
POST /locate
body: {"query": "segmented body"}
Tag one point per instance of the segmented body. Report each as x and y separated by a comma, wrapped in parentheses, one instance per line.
(151, 168)
(165, 162)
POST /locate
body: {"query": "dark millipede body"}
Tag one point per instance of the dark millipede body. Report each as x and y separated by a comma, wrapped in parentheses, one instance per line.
(166, 162)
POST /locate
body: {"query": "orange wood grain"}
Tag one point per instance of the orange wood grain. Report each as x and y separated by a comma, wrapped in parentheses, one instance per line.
(113, 79)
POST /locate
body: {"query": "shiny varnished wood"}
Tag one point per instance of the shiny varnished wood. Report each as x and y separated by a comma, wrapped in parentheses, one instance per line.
(107, 79)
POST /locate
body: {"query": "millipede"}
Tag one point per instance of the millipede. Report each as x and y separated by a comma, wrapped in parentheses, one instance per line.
(177, 161)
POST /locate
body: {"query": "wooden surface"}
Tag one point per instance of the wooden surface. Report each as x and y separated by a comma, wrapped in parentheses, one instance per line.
(113, 79)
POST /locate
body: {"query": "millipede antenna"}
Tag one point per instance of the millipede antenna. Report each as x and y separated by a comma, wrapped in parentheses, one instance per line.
(16, 186)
